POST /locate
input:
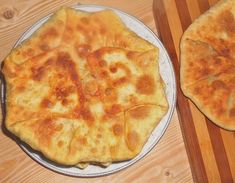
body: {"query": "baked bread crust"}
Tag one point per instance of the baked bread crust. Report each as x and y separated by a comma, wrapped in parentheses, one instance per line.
(207, 63)
(84, 89)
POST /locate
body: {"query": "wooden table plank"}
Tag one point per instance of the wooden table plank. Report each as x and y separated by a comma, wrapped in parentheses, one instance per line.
(167, 162)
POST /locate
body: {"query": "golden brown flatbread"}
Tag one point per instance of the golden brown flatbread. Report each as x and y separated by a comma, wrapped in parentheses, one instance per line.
(84, 89)
(207, 71)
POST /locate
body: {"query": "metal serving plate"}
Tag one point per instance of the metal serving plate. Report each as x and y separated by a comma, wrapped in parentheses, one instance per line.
(166, 71)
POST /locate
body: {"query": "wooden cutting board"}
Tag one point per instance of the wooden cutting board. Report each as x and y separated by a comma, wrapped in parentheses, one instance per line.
(211, 150)
(167, 161)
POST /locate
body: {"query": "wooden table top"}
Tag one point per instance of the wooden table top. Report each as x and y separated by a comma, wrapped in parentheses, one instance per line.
(167, 162)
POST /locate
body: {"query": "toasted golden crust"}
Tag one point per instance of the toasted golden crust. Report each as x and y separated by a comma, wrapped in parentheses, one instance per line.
(94, 96)
(207, 62)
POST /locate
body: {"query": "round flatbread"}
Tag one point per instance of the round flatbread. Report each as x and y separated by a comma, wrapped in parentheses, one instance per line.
(84, 89)
(207, 72)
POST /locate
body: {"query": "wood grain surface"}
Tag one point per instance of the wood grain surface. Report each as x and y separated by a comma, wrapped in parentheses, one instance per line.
(167, 162)
(210, 149)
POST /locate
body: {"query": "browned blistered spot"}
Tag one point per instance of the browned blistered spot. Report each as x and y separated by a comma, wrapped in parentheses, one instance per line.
(191, 64)
(204, 72)
(118, 129)
(113, 69)
(102, 30)
(120, 81)
(91, 88)
(59, 75)
(133, 140)
(74, 76)
(95, 63)
(51, 32)
(82, 140)
(197, 90)
(81, 28)
(65, 102)
(28, 53)
(97, 54)
(102, 63)
(45, 129)
(232, 112)
(217, 61)
(69, 29)
(85, 20)
(49, 61)
(44, 47)
(139, 112)
(83, 50)
(71, 88)
(20, 88)
(103, 74)
(93, 150)
(37, 73)
(217, 84)
(109, 91)
(61, 92)
(76, 112)
(46, 103)
(67, 38)
(145, 85)
(224, 52)
(227, 21)
(64, 61)
(220, 110)
(131, 55)
(60, 143)
(133, 99)
(123, 67)
(114, 109)
(87, 116)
